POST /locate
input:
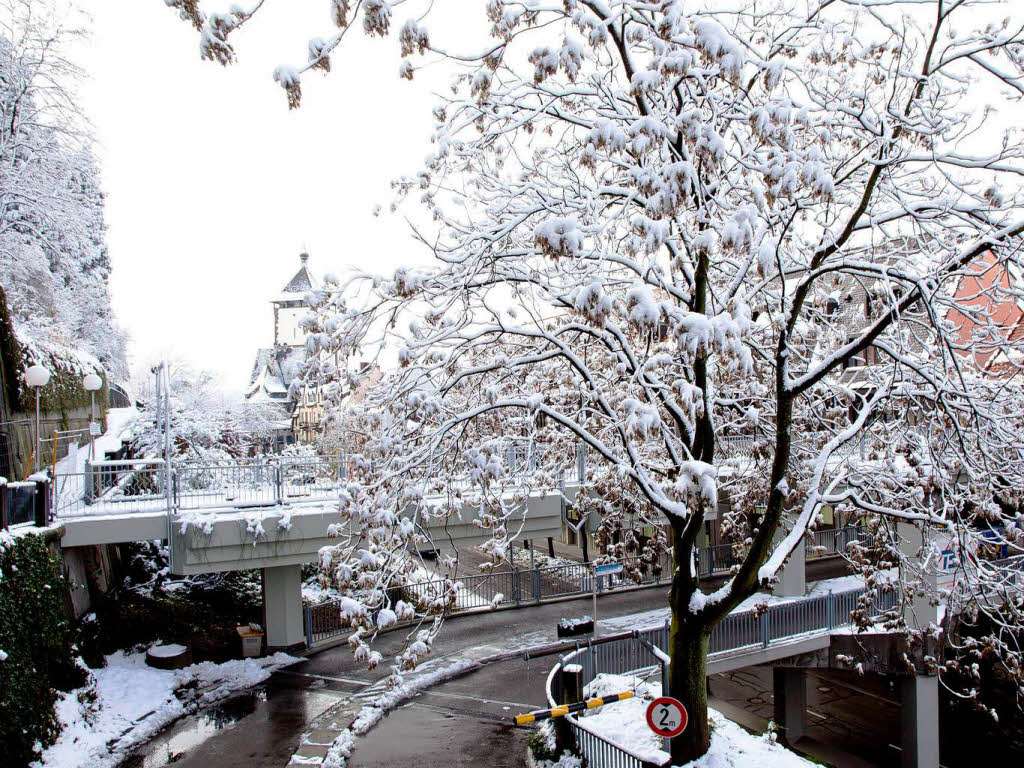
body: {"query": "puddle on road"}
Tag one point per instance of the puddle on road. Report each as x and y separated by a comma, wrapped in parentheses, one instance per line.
(172, 744)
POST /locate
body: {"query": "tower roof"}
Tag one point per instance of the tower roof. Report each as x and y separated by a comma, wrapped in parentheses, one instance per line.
(303, 280)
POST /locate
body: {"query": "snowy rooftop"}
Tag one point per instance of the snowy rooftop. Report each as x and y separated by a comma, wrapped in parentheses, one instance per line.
(273, 372)
(302, 282)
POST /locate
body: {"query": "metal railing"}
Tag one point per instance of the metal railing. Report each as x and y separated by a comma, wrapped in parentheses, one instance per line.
(739, 630)
(523, 587)
(56, 445)
(832, 541)
(141, 485)
(321, 621)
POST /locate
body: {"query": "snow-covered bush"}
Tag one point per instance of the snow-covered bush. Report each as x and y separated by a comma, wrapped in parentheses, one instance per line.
(206, 425)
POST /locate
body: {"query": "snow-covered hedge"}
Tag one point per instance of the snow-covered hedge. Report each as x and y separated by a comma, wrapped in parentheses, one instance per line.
(36, 647)
(67, 368)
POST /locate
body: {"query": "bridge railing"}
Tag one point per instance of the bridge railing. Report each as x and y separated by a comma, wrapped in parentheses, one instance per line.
(111, 486)
(141, 485)
(774, 623)
(526, 586)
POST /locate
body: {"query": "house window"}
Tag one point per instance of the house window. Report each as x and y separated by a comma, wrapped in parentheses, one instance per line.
(855, 360)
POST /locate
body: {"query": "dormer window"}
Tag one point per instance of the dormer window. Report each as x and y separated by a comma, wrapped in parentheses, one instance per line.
(832, 305)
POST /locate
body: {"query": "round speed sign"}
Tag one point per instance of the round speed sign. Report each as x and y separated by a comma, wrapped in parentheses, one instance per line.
(666, 717)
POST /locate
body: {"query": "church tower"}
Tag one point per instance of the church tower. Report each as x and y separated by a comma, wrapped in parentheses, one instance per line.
(290, 306)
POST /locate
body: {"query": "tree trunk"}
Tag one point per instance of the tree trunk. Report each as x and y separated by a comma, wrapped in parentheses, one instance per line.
(688, 646)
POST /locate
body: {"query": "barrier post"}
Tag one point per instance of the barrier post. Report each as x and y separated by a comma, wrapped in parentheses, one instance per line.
(570, 688)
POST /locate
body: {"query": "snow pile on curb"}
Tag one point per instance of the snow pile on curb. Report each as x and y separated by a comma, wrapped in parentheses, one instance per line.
(567, 760)
(371, 714)
(624, 723)
(127, 703)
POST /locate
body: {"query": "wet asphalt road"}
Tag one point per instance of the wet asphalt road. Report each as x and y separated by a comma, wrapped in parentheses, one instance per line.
(450, 727)
(465, 722)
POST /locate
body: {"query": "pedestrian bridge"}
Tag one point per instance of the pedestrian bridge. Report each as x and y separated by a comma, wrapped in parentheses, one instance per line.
(275, 514)
(255, 514)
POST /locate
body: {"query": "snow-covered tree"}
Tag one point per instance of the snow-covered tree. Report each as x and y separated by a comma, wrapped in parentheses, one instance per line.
(207, 426)
(662, 225)
(53, 252)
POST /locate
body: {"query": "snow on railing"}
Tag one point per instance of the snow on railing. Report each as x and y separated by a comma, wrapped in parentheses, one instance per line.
(531, 586)
(739, 630)
(140, 485)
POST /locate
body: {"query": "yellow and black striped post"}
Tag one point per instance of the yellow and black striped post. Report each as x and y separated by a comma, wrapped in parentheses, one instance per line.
(568, 709)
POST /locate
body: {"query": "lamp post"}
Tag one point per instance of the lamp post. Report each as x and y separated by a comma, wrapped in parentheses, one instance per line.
(92, 383)
(37, 377)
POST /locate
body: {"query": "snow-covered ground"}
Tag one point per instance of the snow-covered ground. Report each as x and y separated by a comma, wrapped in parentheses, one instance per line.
(624, 724)
(132, 702)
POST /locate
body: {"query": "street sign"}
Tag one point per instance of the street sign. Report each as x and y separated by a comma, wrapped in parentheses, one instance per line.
(666, 717)
(602, 570)
(95, 429)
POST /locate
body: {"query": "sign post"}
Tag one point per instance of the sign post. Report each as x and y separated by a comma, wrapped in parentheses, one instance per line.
(667, 717)
(602, 570)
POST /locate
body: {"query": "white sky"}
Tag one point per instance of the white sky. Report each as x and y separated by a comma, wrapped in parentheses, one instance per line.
(214, 187)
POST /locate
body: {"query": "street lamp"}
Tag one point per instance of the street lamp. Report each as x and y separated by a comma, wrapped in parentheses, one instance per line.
(92, 383)
(37, 377)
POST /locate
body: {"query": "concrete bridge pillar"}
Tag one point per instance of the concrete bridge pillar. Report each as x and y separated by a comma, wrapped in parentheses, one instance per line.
(793, 578)
(918, 611)
(789, 688)
(282, 607)
(920, 708)
(920, 715)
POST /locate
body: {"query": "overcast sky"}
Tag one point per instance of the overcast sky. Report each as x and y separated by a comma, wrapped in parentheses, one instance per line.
(214, 186)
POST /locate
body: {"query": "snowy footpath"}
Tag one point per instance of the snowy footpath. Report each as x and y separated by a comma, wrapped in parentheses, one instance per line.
(126, 703)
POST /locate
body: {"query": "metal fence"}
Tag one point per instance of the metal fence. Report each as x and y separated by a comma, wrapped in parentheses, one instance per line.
(135, 485)
(522, 587)
(742, 629)
(56, 445)
(320, 621)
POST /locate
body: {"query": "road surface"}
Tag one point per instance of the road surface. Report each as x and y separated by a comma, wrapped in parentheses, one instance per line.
(465, 722)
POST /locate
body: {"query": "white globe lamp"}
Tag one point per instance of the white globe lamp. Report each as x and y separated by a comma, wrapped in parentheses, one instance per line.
(37, 377)
(92, 384)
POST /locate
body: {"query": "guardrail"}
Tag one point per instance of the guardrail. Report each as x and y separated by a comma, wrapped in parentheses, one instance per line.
(524, 587)
(141, 485)
(739, 630)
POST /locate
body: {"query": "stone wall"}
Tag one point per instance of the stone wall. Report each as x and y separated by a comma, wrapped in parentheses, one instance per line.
(20, 432)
